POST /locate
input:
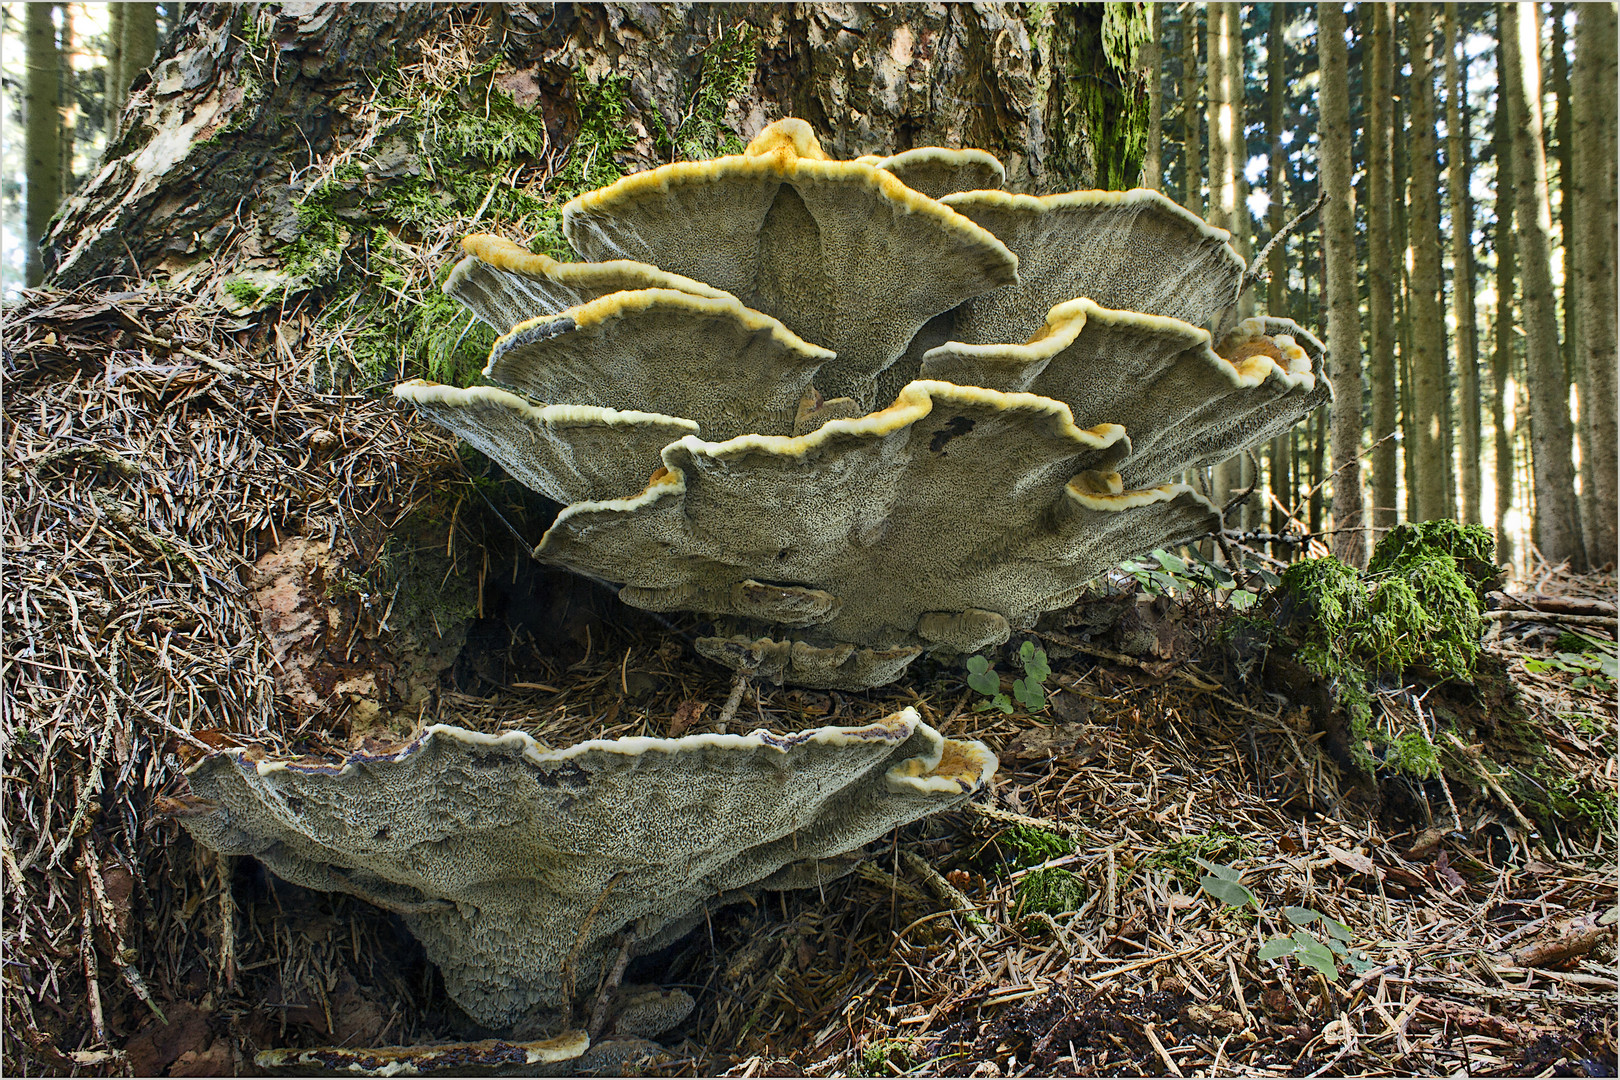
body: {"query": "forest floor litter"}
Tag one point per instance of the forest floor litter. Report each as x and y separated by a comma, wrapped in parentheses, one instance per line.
(155, 459)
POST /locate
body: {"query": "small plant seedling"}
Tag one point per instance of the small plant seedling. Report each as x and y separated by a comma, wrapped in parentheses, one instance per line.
(1323, 955)
(1030, 691)
(1222, 882)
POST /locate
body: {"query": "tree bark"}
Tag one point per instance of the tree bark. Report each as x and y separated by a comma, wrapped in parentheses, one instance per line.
(261, 112)
(1502, 406)
(1223, 28)
(1378, 83)
(1595, 193)
(1192, 138)
(137, 44)
(115, 83)
(42, 104)
(1427, 443)
(1344, 301)
(1281, 456)
(1151, 52)
(1462, 270)
(1557, 520)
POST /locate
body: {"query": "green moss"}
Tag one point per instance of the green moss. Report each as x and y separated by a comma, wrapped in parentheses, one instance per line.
(1052, 892)
(1032, 846)
(243, 291)
(1179, 855)
(727, 73)
(1101, 122)
(1420, 604)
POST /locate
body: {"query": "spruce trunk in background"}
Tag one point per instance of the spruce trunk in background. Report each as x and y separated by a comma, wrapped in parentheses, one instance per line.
(42, 105)
(115, 83)
(1377, 84)
(1594, 145)
(1281, 449)
(139, 44)
(1502, 359)
(1192, 136)
(1427, 443)
(1344, 302)
(1557, 519)
(1462, 272)
(1152, 166)
(1223, 185)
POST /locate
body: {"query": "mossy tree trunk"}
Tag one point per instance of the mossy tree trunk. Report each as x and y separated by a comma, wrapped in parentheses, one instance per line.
(275, 151)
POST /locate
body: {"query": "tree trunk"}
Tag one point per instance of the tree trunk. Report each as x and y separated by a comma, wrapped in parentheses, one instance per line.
(1151, 52)
(1427, 443)
(1192, 138)
(137, 46)
(42, 104)
(115, 83)
(1567, 180)
(1502, 404)
(1462, 272)
(1277, 270)
(1224, 102)
(1557, 520)
(1378, 85)
(1344, 302)
(1594, 144)
(261, 161)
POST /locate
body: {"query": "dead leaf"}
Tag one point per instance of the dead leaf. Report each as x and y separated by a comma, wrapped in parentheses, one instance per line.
(687, 713)
(1354, 860)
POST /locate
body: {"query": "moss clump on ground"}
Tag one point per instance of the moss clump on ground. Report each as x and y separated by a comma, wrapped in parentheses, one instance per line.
(1180, 856)
(1050, 892)
(1420, 606)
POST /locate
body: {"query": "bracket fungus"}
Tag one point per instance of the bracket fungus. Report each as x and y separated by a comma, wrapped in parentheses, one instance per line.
(522, 870)
(856, 420)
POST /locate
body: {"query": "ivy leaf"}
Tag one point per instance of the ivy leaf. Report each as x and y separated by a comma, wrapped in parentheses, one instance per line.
(985, 682)
(1036, 667)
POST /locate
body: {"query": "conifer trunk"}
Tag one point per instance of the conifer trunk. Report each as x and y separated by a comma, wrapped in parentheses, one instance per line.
(1462, 262)
(1502, 405)
(1594, 144)
(259, 111)
(1192, 138)
(1377, 81)
(42, 104)
(1344, 302)
(1152, 166)
(1557, 520)
(1426, 437)
(1277, 287)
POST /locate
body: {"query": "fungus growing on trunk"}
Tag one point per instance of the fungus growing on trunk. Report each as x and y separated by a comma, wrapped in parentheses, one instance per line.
(920, 421)
(522, 870)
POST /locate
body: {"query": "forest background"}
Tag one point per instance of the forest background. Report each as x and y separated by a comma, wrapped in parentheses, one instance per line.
(1460, 265)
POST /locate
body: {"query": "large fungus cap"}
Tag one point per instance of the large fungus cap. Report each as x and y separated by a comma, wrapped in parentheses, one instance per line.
(1126, 250)
(843, 253)
(731, 369)
(510, 862)
(973, 492)
(568, 453)
(1184, 404)
(504, 283)
(937, 171)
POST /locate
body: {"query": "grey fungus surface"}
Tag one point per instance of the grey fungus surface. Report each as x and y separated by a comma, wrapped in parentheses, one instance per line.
(842, 252)
(924, 410)
(519, 868)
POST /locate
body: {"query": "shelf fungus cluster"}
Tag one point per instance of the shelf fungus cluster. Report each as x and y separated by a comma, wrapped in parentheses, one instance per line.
(861, 410)
(526, 872)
